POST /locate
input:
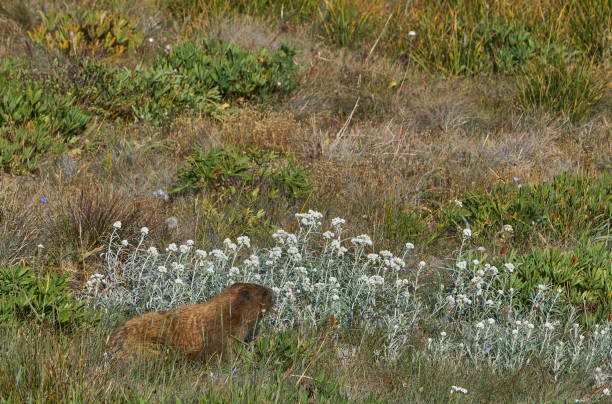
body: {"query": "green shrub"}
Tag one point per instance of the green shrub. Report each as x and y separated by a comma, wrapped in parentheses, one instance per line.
(90, 32)
(226, 169)
(234, 71)
(34, 120)
(563, 211)
(584, 274)
(48, 300)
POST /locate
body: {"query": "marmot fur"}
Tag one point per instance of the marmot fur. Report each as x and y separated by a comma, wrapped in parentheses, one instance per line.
(198, 330)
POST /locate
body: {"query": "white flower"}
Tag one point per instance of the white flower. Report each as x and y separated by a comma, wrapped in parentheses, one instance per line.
(162, 269)
(153, 251)
(372, 257)
(606, 391)
(542, 287)
(229, 244)
(549, 326)
(179, 281)
(412, 34)
(167, 49)
(218, 254)
(252, 261)
(363, 239)
(201, 253)
(312, 218)
(509, 267)
(409, 246)
(177, 267)
(144, 231)
(328, 235)
(443, 334)
(491, 321)
(184, 249)
(117, 225)
(234, 271)
(385, 254)
(275, 253)
(508, 228)
(530, 326)
(481, 249)
(151, 40)
(514, 332)
(335, 297)
(422, 264)
(458, 203)
(458, 390)
(244, 241)
(337, 222)
(598, 370)
(480, 325)
(172, 247)
(467, 233)
(189, 242)
(462, 264)
(40, 246)
(475, 262)
(124, 243)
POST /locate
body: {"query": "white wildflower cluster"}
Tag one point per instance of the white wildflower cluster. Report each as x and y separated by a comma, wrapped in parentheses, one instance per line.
(312, 218)
(95, 283)
(363, 240)
(316, 274)
(457, 389)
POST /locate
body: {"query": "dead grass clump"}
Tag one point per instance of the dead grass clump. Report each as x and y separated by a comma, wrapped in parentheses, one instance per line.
(269, 130)
(19, 232)
(86, 214)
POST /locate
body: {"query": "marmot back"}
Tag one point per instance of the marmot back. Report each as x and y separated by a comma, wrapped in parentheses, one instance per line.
(198, 330)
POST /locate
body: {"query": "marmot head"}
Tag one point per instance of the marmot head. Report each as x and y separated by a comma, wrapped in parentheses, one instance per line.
(260, 297)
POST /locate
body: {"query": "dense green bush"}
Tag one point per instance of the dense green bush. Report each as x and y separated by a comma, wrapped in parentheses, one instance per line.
(234, 71)
(584, 274)
(40, 114)
(226, 169)
(33, 119)
(47, 300)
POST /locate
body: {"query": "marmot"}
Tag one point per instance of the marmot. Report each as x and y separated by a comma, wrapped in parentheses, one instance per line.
(198, 330)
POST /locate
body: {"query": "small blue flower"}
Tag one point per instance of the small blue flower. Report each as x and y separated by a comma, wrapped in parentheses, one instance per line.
(487, 350)
(515, 179)
(405, 270)
(43, 200)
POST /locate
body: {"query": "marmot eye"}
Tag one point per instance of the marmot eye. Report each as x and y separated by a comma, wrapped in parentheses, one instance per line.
(265, 292)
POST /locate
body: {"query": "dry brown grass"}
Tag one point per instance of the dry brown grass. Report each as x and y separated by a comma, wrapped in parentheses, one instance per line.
(412, 136)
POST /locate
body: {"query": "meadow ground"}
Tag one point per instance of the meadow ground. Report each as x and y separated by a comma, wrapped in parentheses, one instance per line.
(449, 163)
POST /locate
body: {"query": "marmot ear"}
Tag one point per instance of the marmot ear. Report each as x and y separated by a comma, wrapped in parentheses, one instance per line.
(245, 293)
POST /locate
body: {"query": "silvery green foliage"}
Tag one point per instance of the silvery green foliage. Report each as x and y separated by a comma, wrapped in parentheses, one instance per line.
(317, 273)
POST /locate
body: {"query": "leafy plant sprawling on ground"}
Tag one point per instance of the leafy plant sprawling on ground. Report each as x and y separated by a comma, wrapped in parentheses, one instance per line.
(33, 121)
(228, 168)
(567, 209)
(37, 116)
(234, 71)
(93, 32)
(48, 300)
(584, 275)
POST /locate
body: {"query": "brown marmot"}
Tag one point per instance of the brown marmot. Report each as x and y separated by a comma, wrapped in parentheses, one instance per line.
(198, 330)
